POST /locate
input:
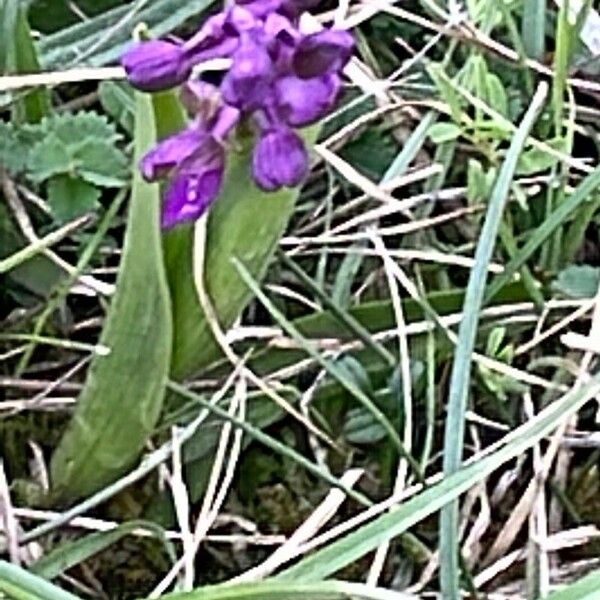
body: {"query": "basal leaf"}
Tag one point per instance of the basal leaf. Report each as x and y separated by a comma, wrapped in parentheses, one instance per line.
(47, 158)
(70, 197)
(123, 394)
(100, 162)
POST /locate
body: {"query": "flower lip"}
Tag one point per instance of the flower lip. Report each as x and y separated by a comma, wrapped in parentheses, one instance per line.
(301, 102)
(327, 51)
(279, 159)
(155, 65)
(195, 185)
(171, 151)
(248, 81)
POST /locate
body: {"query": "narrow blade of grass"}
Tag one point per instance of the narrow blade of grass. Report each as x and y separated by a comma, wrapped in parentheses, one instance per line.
(461, 367)
(18, 584)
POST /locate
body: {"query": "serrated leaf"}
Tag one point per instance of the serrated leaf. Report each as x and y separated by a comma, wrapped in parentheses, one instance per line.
(578, 281)
(443, 132)
(124, 390)
(15, 145)
(70, 197)
(48, 158)
(73, 129)
(100, 162)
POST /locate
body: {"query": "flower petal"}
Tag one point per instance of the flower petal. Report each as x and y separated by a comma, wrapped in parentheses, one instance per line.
(247, 83)
(279, 159)
(194, 187)
(301, 102)
(171, 151)
(260, 8)
(155, 65)
(327, 51)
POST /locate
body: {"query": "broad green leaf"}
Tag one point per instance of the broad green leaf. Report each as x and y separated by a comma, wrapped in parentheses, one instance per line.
(496, 94)
(70, 197)
(47, 158)
(275, 590)
(71, 553)
(15, 145)
(74, 129)
(587, 588)
(18, 584)
(100, 163)
(387, 526)
(123, 395)
(443, 132)
(535, 160)
(117, 100)
(19, 55)
(578, 281)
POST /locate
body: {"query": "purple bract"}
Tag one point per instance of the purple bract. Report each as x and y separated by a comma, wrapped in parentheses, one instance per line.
(276, 78)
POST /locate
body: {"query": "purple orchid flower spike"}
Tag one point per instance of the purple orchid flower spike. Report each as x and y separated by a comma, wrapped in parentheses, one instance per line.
(155, 65)
(276, 77)
(279, 159)
(327, 51)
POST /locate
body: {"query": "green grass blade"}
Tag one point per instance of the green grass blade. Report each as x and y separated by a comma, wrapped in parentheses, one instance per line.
(533, 28)
(583, 193)
(461, 367)
(586, 588)
(275, 590)
(121, 401)
(18, 584)
(365, 539)
(87, 42)
(72, 553)
(269, 442)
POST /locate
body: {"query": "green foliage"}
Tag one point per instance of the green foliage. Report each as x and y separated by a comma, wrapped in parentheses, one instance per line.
(75, 154)
(122, 399)
(578, 281)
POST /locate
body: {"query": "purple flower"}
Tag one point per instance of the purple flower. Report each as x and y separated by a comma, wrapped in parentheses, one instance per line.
(279, 159)
(301, 102)
(170, 152)
(204, 102)
(195, 185)
(194, 158)
(275, 78)
(327, 51)
(248, 81)
(155, 65)
(260, 8)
